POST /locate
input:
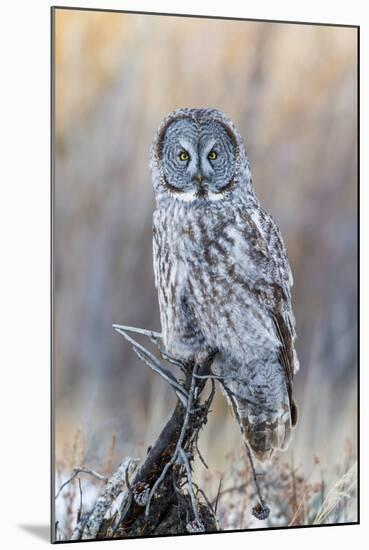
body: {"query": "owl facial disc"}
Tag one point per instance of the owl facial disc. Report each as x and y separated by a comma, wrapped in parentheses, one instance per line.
(197, 159)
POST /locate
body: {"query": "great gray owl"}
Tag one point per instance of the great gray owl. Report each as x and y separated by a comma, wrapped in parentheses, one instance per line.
(222, 272)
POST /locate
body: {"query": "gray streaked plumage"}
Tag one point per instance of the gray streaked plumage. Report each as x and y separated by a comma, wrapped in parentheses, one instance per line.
(222, 273)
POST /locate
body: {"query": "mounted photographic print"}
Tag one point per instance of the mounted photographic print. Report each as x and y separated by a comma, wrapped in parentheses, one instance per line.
(204, 274)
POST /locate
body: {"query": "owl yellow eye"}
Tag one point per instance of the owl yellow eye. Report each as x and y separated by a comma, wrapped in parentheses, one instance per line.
(212, 155)
(183, 155)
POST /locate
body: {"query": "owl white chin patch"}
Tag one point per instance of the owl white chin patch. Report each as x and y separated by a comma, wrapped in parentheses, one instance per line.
(215, 196)
(189, 196)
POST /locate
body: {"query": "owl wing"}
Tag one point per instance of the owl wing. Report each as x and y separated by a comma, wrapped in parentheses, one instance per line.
(250, 289)
(277, 283)
(240, 288)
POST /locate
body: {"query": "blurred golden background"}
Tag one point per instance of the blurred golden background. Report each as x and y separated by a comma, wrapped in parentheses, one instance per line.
(291, 89)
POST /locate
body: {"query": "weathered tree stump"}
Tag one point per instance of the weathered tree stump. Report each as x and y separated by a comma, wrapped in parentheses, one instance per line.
(160, 497)
(171, 509)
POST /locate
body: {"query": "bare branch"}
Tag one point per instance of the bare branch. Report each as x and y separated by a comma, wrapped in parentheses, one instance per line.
(166, 375)
(199, 453)
(80, 470)
(151, 361)
(199, 490)
(172, 360)
(150, 333)
(190, 487)
(179, 443)
(205, 409)
(155, 338)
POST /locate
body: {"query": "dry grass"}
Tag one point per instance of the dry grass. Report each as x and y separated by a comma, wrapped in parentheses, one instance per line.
(296, 497)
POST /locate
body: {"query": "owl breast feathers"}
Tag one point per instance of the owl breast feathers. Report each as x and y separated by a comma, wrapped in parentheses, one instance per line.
(222, 273)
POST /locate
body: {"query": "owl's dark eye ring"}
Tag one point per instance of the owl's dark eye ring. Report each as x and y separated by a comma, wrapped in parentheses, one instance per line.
(183, 155)
(213, 155)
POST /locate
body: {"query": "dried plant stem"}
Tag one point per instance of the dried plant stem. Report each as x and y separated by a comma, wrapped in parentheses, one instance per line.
(80, 470)
(261, 510)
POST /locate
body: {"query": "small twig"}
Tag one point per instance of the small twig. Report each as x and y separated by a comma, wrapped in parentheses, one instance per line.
(178, 388)
(190, 486)
(254, 474)
(209, 400)
(176, 488)
(151, 361)
(205, 410)
(179, 443)
(155, 338)
(261, 510)
(218, 495)
(199, 453)
(79, 513)
(81, 470)
(150, 333)
(199, 490)
(177, 362)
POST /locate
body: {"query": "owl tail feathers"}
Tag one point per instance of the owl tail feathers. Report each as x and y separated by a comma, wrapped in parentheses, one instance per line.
(266, 436)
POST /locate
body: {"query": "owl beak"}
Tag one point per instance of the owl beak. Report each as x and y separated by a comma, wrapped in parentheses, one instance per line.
(200, 177)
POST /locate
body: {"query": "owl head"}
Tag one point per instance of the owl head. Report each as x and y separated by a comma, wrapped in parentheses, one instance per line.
(198, 155)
